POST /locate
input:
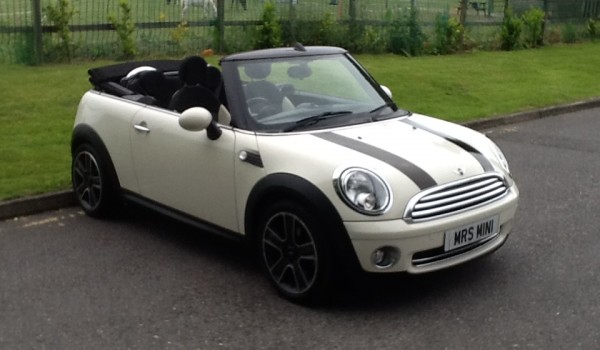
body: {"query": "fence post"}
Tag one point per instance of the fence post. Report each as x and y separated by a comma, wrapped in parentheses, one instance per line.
(544, 21)
(353, 20)
(221, 24)
(463, 12)
(36, 11)
(463, 19)
(352, 10)
(292, 18)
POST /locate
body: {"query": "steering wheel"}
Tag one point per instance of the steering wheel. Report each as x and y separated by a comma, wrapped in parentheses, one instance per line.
(257, 104)
(261, 107)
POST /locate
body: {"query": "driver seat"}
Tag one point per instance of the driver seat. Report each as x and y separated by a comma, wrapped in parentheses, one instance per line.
(193, 73)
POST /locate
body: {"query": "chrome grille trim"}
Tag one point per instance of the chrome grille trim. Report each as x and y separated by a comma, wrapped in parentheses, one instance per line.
(456, 197)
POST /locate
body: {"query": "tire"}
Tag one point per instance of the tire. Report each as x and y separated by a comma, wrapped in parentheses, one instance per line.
(294, 253)
(95, 190)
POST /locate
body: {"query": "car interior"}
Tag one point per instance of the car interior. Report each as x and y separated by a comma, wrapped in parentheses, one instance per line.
(170, 84)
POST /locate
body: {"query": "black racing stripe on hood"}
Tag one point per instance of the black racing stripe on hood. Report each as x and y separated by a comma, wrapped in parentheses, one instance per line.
(483, 161)
(416, 174)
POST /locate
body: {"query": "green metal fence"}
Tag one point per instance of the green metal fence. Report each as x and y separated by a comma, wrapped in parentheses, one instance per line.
(27, 35)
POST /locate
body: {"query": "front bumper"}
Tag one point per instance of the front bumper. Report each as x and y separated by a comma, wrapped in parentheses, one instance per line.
(421, 245)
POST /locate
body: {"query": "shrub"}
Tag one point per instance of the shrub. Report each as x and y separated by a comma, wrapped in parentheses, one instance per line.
(60, 15)
(533, 23)
(23, 49)
(511, 31)
(327, 31)
(269, 34)
(569, 33)
(592, 29)
(324, 32)
(125, 28)
(405, 35)
(448, 34)
(373, 41)
(178, 35)
(553, 36)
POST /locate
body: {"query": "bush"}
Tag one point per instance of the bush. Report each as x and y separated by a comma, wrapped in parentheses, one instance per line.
(178, 36)
(60, 15)
(533, 22)
(592, 29)
(269, 34)
(125, 29)
(324, 32)
(23, 49)
(569, 33)
(405, 35)
(374, 41)
(511, 31)
(553, 36)
(448, 34)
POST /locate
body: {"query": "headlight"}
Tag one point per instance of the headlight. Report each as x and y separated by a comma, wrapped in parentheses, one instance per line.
(363, 191)
(500, 156)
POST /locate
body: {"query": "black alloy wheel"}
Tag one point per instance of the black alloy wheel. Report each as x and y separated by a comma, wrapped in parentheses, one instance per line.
(293, 253)
(91, 184)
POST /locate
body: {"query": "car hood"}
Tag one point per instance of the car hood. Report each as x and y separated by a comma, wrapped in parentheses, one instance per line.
(411, 154)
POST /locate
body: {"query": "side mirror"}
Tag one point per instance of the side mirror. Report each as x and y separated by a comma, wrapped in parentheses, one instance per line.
(386, 90)
(195, 119)
(198, 119)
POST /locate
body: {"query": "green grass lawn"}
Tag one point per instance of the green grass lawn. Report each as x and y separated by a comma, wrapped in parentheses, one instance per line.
(38, 104)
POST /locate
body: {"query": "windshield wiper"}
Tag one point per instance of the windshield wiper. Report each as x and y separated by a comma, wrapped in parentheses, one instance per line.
(394, 113)
(379, 109)
(315, 119)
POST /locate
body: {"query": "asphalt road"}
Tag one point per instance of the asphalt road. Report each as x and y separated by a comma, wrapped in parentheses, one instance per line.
(145, 282)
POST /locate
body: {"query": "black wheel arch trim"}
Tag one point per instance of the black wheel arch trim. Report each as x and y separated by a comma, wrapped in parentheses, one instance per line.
(292, 187)
(83, 133)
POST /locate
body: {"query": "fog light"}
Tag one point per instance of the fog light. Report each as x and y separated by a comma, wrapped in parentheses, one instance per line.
(385, 257)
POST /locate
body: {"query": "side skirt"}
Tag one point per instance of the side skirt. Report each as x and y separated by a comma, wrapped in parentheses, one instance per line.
(182, 217)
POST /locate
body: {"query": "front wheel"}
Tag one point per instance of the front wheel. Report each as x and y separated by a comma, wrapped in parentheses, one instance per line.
(294, 253)
(93, 187)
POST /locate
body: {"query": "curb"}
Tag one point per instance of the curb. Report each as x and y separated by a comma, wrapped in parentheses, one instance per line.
(36, 204)
(532, 115)
(56, 200)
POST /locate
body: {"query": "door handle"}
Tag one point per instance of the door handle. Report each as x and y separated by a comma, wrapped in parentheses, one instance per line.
(142, 127)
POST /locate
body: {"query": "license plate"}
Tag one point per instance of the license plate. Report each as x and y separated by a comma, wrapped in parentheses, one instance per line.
(475, 232)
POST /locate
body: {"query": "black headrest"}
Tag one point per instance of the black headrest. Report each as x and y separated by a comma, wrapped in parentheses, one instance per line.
(213, 78)
(258, 70)
(299, 71)
(152, 81)
(193, 70)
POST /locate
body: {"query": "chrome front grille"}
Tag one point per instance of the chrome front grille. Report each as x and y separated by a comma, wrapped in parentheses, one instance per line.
(456, 197)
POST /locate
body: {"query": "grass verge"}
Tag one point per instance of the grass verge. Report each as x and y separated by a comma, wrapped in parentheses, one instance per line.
(38, 104)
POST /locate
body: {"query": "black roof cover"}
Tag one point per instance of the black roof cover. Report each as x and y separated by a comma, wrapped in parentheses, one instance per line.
(117, 71)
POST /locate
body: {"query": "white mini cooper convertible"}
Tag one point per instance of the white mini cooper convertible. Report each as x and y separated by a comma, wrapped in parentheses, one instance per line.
(298, 151)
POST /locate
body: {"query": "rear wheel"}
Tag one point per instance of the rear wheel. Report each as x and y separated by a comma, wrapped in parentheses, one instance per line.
(294, 253)
(93, 187)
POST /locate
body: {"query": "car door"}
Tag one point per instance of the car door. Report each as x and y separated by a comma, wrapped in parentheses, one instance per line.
(184, 170)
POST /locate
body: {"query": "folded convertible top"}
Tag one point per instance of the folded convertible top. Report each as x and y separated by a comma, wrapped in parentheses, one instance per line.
(116, 71)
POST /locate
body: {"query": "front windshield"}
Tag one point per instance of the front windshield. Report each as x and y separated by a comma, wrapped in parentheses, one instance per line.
(312, 92)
